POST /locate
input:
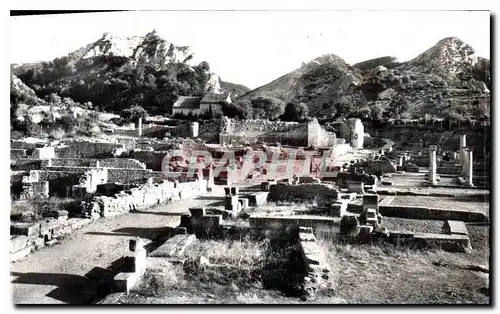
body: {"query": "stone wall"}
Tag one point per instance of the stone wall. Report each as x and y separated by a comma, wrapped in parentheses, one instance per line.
(87, 149)
(353, 131)
(131, 175)
(261, 223)
(209, 130)
(26, 164)
(317, 271)
(374, 166)
(322, 192)
(20, 144)
(17, 153)
(317, 136)
(106, 162)
(147, 195)
(152, 159)
(60, 182)
(252, 131)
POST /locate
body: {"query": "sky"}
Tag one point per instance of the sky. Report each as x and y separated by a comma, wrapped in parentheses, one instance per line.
(251, 47)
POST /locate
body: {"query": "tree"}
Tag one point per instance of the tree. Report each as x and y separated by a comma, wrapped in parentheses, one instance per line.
(397, 107)
(295, 112)
(376, 113)
(267, 107)
(134, 113)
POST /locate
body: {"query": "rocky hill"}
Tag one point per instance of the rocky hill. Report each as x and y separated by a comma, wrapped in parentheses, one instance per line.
(115, 73)
(445, 81)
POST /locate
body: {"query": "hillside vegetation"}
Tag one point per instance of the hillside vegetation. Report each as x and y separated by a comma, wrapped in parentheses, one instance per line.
(445, 81)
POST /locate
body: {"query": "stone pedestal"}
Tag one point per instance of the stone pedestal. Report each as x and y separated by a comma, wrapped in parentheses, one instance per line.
(432, 164)
(463, 154)
(468, 174)
(139, 127)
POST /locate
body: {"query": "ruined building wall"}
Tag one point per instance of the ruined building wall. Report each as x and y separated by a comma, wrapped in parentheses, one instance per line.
(252, 131)
(318, 136)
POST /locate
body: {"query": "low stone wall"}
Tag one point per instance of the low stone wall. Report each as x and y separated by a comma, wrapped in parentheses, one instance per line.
(17, 144)
(106, 162)
(28, 237)
(145, 196)
(86, 149)
(425, 213)
(131, 175)
(37, 164)
(449, 168)
(317, 272)
(60, 181)
(448, 242)
(18, 153)
(322, 192)
(343, 178)
(320, 224)
(374, 166)
(413, 212)
(26, 164)
(152, 159)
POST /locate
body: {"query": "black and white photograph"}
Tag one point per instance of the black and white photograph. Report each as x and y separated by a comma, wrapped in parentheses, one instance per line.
(338, 157)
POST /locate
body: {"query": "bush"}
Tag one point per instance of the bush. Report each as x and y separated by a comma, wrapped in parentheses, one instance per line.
(267, 108)
(56, 134)
(133, 114)
(295, 112)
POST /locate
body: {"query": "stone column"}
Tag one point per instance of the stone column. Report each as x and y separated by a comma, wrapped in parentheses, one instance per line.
(400, 161)
(194, 127)
(139, 127)
(463, 147)
(432, 164)
(468, 176)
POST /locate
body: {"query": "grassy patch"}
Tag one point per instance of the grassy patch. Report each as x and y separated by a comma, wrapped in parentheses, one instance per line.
(391, 275)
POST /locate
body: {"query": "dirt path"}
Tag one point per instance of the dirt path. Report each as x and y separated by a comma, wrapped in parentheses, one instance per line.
(60, 274)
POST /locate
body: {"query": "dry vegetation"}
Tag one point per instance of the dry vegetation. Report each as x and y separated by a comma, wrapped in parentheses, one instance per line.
(34, 210)
(386, 274)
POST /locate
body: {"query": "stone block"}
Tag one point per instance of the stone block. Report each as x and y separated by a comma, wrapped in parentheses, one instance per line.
(136, 243)
(356, 187)
(38, 243)
(231, 203)
(197, 211)
(44, 153)
(339, 209)
(226, 214)
(227, 191)
(180, 230)
(124, 282)
(244, 203)
(308, 230)
(31, 230)
(371, 201)
(307, 237)
(264, 186)
(258, 199)
(212, 222)
(185, 220)
(455, 227)
(235, 190)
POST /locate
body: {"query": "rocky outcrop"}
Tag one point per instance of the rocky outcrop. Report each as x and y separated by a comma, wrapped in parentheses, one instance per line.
(447, 80)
